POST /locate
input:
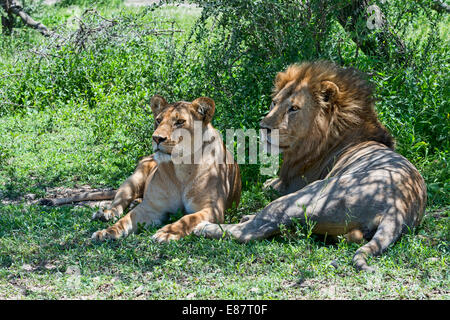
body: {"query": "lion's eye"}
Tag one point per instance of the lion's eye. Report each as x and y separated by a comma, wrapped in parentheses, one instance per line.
(293, 108)
(180, 122)
(158, 121)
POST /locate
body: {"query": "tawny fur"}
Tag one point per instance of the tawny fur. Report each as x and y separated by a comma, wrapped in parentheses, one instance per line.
(202, 191)
(339, 169)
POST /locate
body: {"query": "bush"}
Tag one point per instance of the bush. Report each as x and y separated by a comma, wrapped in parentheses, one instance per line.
(250, 41)
(232, 54)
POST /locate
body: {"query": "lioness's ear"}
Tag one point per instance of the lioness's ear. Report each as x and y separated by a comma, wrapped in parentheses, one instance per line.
(329, 91)
(205, 107)
(158, 104)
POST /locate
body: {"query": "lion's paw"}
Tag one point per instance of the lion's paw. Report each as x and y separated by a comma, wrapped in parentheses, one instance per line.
(271, 183)
(205, 229)
(99, 235)
(165, 235)
(105, 234)
(105, 214)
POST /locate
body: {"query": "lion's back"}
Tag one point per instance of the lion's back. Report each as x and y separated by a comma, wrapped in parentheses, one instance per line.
(378, 171)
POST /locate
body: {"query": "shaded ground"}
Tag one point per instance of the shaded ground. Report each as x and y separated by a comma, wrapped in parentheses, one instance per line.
(45, 253)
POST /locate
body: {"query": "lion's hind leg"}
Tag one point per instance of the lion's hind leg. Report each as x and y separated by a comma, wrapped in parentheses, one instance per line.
(354, 236)
(388, 231)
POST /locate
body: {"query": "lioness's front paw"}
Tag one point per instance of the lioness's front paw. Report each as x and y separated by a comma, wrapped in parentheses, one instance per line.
(99, 235)
(105, 234)
(165, 235)
(105, 215)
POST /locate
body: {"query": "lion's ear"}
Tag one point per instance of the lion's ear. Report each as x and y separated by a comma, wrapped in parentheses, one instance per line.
(329, 91)
(205, 107)
(158, 104)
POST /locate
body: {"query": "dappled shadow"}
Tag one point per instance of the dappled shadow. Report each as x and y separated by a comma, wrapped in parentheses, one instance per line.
(372, 190)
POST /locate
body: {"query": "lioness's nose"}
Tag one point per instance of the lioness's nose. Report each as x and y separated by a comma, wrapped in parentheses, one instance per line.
(159, 139)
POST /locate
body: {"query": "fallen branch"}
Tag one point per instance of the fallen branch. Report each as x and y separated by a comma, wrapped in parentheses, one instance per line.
(84, 196)
(12, 7)
(440, 6)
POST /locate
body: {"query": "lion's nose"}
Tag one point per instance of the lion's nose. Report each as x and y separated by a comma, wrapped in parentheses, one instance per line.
(159, 139)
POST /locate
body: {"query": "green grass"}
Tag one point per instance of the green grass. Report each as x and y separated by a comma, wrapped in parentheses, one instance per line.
(89, 128)
(40, 248)
(40, 245)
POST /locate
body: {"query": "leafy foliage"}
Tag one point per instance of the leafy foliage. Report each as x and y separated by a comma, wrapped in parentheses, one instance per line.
(73, 111)
(104, 70)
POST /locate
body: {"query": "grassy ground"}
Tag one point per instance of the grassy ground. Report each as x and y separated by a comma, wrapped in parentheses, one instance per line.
(46, 253)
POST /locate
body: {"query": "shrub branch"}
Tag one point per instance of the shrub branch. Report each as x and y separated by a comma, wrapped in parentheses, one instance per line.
(11, 7)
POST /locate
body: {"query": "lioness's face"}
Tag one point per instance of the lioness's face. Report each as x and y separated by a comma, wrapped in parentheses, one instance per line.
(292, 112)
(178, 115)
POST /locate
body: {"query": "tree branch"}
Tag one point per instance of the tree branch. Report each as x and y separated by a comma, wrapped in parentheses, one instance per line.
(440, 6)
(354, 11)
(12, 7)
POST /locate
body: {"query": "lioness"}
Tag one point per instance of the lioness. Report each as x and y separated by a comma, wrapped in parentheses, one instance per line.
(202, 188)
(339, 169)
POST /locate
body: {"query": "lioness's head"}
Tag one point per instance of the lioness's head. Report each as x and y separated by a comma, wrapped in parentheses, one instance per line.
(179, 115)
(318, 101)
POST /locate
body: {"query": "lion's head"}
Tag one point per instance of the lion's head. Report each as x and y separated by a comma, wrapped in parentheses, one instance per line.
(317, 106)
(179, 115)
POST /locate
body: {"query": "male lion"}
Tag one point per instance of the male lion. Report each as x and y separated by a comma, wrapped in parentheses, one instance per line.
(197, 183)
(339, 169)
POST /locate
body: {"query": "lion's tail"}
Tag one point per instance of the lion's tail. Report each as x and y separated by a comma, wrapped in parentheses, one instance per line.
(388, 231)
(84, 196)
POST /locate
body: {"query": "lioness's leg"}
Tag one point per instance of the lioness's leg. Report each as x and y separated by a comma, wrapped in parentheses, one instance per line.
(131, 189)
(142, 214)
(187, 223)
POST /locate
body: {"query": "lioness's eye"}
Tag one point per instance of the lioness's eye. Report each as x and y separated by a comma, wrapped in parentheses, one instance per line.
(180, 122)
(293, 108)
(158, 121)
